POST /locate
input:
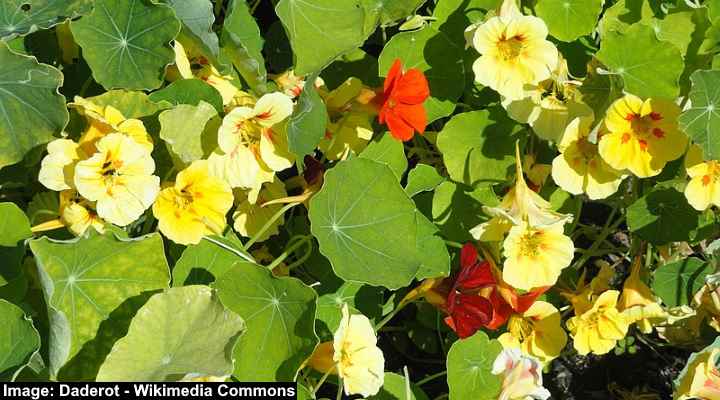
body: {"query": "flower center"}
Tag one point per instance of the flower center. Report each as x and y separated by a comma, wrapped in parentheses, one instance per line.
(510, 48)
(531, 243)
(520, 327)
(183, 199)
(249, 132)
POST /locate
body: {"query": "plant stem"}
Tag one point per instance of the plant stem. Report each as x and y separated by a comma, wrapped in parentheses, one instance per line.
(230, 249)
(321, 381)
(390, 316)
(456, 245)
(268, 224)
(430, 378)
(291, 249)
(607, 229)
(340, 390)
(576, 217)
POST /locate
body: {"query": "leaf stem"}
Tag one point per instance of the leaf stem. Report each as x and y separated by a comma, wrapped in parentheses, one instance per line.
(230, 249)
(268, 224)
(607, 229)
(291, 249)
(321, 381)
(430, 378)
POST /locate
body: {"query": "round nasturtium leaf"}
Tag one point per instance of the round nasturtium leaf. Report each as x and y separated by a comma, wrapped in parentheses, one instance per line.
(31, 109)
(440, 58)
(280, 317)
(649, 67)
(567, 20)
(702, 120)
(389, 151)
(181, 333)
(131, 104)
(396, 387)
(188, 91)
(86, 279)
(14, 225)
(127, 43)
(204, 262)
(469, 368)
(676, 283)
(662, 216)
(19, 17)
(18, 339)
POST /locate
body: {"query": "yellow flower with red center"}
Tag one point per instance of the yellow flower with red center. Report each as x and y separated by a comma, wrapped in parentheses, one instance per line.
(703, 190)
(701, 378)
(78, 214)
(119, 178)
(57, 167)
(537, 332)
(522, 376)
(191, 63)
(643, 135)
(598, 329)
(251, 217)
(514, 52)
(579, 168)
(194, 206)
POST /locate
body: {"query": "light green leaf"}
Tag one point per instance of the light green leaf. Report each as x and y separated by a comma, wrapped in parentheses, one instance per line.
(365, 224)
(183, 331)
(131, 104)
(422, 178)
(280, 318)
(479, 146)
(567, 20)
(662, 216)
(702, 120)
(204, 262)
(360, 298)
(600, 90)
(623, 14)
(453, 16)
(677, 282)
(432, 52)
(85, 279)
(432, 253)
(392, 10)
(189, 91)
(469, 366)
(389, 151)
(190, 131)
(14, 225)
(307, 124)
(31, 109)
(457, 208)
(19, 339)
(127, 43)
(197, 18)
(396, 387)
(356, 63)
(243, 44)
(649, 67)
(20, 17)
(676, 28)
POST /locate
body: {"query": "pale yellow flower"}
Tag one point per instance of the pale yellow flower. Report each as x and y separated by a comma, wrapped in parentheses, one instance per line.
(194, 206)
(119, 178)
(514, 52)
(598, 329)
(537, 332)
(57, 167)
(522, 376)
(250, 217)
(359, 362)
(702, 377)
(638, 303)
(78, 214)
(579, 168)
(190, 63)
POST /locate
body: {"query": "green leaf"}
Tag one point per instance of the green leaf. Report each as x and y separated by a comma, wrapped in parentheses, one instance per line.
(457, 208)
(567, 20)
(702, 120)
(662, 216)
(14, 225)
(197, 18)
(365, 224)
(183, 331)
(189, 91)
(676, 28)
(453, 16)
(127, 43)
(243, 44)
(204, 262)
(85, 279)
(431, 250)
(469, 366)
(190, 131)
(677, 282)
(131, 104)
(392, 10)
(359, 298)
(649, 67)
(479, 146)
(598, 90)
(280, 318)
(396, 387)
(31, 108)
(20, 17)
(422, 178)
(19, 339)
(389, 151)
(307, 124)
(356, 63)
(623, 14)
(432, 52)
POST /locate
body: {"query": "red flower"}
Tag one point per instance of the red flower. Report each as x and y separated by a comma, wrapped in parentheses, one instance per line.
(402, 102)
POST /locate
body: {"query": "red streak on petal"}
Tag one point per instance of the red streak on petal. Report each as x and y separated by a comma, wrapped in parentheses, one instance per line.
(655, 116)
(625, 138)
(706, 180)
(643, 144)
(659, 133)
(630, 117)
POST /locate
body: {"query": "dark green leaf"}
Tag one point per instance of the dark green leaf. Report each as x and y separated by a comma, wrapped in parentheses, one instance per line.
(676, 283)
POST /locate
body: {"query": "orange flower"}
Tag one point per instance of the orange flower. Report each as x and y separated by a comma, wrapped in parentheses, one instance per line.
(402, 102)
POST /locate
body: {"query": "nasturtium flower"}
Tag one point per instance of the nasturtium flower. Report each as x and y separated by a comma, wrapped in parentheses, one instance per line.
(119, 178)
(642, 136)
(549, 106)
(194, 206)
(514, 52)
(78, 214)
(703, 190)
(402, 101)
(191, 63)
(251, 217)
(537, 332)
(57, 167)
(535, 255)
(359, 362)
(702, 377)
(522, 376)
(292, 85)
(638, 303)
(579, 168)
(598, 329)
(253, 143)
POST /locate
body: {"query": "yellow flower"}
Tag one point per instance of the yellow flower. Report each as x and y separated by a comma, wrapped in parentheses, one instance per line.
(702, 377)
(190, 63)
(250, 217)
(79, 214)
(638, 303)
(703, 190)
(359, 362)
(119, 178)
(643, 135)
(292, 85)
(57, 168)
(549, 106)
(579, 167)
(535, 256)
(514, 52)
(598, 329)
(253, 143)
(537, 332)
(194, 206)
(522, 376)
